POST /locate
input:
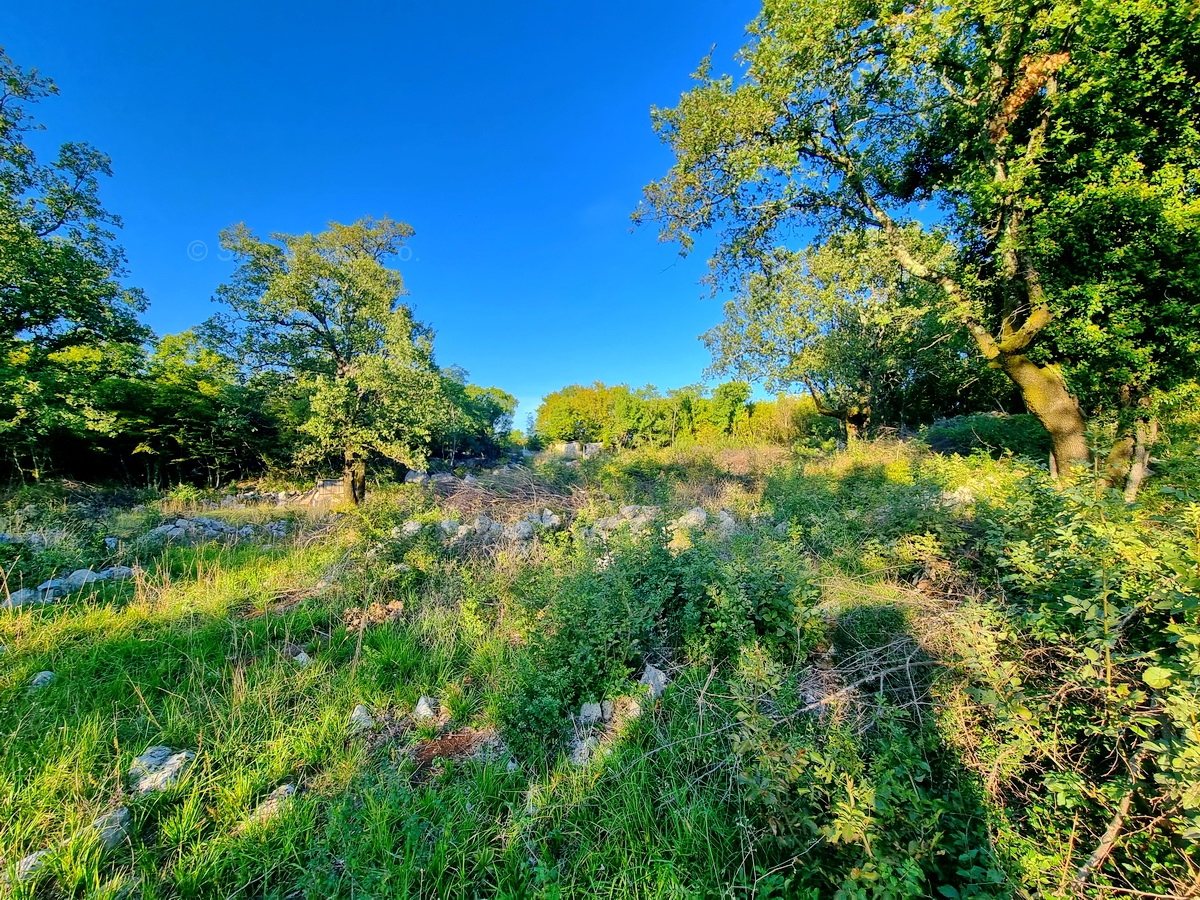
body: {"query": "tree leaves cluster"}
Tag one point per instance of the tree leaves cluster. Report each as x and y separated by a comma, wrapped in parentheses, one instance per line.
(316, 365)
(1033, 163)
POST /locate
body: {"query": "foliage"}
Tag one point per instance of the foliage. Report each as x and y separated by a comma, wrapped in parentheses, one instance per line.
(1056, 180)
(1022, 435)
(326, 309)
(842, 320)
(66, 322)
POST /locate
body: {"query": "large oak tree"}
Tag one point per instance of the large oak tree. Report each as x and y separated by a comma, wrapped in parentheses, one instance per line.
(1056, 145)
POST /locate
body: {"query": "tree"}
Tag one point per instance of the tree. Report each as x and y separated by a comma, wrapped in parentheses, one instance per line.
(1053, 144)
(576, 413)
(843, 320)
(326, 309)
(66, 321)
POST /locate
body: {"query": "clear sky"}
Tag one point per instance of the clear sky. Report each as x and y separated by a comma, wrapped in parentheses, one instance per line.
(515, 138)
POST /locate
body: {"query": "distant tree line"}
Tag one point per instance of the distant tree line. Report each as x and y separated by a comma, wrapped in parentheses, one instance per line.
(315, 366)
(621, 417)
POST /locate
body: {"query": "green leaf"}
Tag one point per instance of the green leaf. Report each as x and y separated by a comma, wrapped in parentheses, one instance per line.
(1157, 677)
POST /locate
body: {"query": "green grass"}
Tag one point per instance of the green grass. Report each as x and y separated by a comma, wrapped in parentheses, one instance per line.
(780, 762)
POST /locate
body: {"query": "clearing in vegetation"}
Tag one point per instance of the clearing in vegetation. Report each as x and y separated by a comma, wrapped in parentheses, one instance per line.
(678, 673)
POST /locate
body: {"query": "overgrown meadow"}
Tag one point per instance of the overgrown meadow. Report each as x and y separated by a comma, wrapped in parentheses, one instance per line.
(897, 674)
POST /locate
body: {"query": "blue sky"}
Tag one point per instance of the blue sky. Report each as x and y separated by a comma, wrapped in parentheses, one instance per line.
(515, 139)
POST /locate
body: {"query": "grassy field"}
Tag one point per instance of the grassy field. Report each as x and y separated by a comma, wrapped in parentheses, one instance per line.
(861, 703)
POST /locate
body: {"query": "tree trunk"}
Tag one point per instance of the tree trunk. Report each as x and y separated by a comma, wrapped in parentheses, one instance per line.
(354, 480)
(1146, 436)
(1047, 398)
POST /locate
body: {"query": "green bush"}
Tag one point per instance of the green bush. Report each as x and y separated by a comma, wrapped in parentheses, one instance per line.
(995, 433)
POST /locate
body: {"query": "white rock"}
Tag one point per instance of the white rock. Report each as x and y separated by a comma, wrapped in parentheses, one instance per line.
(655, 679)
(118, 573)
(80, 577)
(28, 867)
(483, 524)
(301, 658)
(411, 528)
(550, 520)
(726, 523)
(590, 713)
(606, 710)
(274, 803)
(183, 523)
(361, 720)
(41, 680)
(61, 585)
(426, 708)
(21, 597)
(470, 479)
(448, 527)
(464, 530)
(416, 477)
(693, 518)
(582, 750)
(159, 768)
(112, 829)
(523, 531)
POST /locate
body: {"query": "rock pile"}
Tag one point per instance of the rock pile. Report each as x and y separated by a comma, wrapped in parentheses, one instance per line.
(482, 526)
(596, 723)
(200, 528)
(637, 518)
(49, 591)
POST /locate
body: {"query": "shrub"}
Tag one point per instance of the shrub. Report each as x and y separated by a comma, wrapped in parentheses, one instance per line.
(995, 433)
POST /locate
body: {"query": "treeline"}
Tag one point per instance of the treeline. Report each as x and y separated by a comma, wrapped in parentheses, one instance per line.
(622, 417)
(314, 365)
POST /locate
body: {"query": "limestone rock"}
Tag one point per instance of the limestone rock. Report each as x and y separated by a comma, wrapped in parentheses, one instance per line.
(590, 713)
(21, 598)
(415, 477)
(426, 708)
(274, 803)
(655, 679)
(693, 518)
(112, 829)
(80, 577)
(118, 573)
(448, 527)
(361, 720)
(159, 768)
(28, 867)
(582, 750)
(411, 528)
(42, 680)
(726, 524)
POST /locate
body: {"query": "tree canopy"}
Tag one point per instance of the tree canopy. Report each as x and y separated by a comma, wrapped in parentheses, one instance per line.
(1051, 149)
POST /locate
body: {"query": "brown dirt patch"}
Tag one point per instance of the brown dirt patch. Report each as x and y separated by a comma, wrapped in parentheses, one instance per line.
(357, 618)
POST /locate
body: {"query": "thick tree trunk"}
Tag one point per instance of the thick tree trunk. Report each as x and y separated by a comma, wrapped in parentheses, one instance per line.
(1047, 398)
(354, 479)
